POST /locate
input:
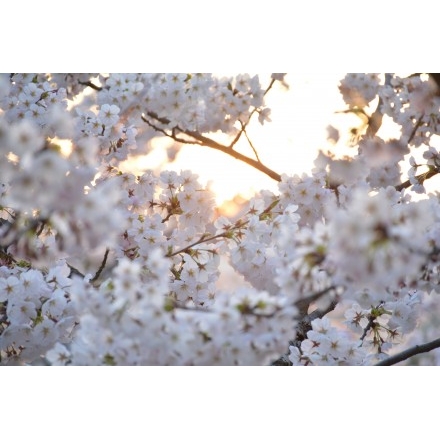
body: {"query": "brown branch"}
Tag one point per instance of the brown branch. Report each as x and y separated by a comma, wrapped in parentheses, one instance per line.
(239, 224)
(305, 324)
(208, 142)
(160, 130)
(406, 354)
(304, 303)
(91, 85)
(204, 141)
(237, 138)
(421, 178)
(74, 271)
(173, 131)
(375, 120)
(203, 239)
(6, 257)
(413, 133)
(272, 82)
(235, 154)
(101, 268)
(403, 185)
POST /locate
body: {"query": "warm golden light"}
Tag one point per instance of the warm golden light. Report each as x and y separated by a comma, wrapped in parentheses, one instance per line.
(288, 144)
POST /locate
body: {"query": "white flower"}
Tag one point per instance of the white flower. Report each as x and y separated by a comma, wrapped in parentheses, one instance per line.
(109, 115)
(264, 116)
(25, 138)
(10, 288)
(58, 355)
(21, 312)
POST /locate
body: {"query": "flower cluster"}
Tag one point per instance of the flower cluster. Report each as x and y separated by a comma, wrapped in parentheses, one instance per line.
(127, 322)
(379, 241)
(359, 89)
(414, 104)
(36, 311)
(327, 345)
(202, 102)
(101, 266)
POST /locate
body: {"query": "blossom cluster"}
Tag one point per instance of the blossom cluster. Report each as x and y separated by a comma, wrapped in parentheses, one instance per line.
(101, 266)
(36, 311)
(126, 322)
(358, 89)
(414, 104)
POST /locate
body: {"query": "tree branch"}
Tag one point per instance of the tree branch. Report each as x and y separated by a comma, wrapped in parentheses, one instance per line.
(74, 271)
(250, 142)
(90, 84)
(229, 233)
(244, 124)
(418, 349)
(208, 142)
(304, 303)
(101, 267)
(375, 120)
(235, 154)
(421, 178)
(413, 133)
(203, 239)
(305, 324)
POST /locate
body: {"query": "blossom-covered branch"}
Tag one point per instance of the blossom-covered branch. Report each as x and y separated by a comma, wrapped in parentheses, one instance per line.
(198, 139)
(410, 352)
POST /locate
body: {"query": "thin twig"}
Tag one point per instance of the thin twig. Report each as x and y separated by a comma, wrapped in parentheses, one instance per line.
(101, 268)
(204, 141)
(173, 134)
(244, 124)
(208, 142)
(160, 130)
(239, 224)
(203, 239)
(74, 271)
(413, 133)
(237, 138)
(418, 349)
(235, 154)
(250, 143)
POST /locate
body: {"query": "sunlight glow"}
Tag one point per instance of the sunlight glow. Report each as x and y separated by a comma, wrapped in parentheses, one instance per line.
(289, 144)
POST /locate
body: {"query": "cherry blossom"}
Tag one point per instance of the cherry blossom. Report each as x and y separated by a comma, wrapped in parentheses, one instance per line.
(100, 265)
